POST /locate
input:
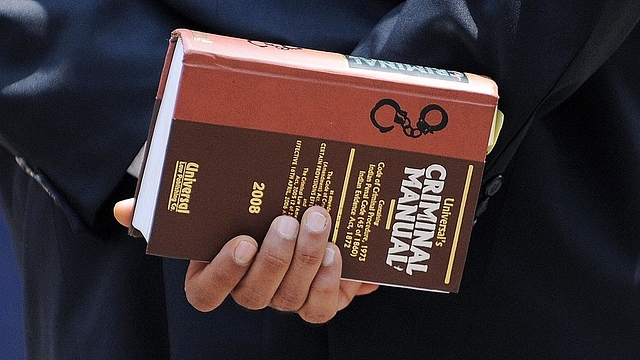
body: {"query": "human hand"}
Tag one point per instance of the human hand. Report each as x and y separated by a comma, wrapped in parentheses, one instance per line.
(295, 269)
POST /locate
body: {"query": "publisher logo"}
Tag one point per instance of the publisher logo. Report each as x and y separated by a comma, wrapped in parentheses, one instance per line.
(400, 117)
(184, 177)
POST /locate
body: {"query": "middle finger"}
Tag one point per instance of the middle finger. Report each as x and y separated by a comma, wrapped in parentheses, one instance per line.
(309, 252)
(257, 287)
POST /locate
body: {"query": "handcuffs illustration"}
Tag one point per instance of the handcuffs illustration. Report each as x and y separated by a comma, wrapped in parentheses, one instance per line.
(422, 127)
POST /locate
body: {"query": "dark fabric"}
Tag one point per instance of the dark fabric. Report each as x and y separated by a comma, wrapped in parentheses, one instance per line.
(537, 52)
(85, 296)
(232, 332)
(552, 271)
(77, 80)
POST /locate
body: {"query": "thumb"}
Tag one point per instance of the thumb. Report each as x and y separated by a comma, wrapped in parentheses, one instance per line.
(123, 211)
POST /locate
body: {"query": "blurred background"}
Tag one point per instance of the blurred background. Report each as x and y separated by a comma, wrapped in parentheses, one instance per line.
(11, 327)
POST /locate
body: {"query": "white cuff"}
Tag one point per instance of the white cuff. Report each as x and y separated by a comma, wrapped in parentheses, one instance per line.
(136, 164)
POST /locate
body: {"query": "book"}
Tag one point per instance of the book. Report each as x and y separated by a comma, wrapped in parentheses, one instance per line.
(244, 131)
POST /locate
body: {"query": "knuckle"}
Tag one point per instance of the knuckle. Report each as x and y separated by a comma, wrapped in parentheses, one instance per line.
(275, 262)
(308, 257)
(200, 300)
(288, 300)
(250, 299)
(314, 316)
(323, 289)
(223, 280)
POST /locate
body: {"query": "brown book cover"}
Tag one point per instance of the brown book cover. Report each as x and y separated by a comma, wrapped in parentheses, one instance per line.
(247, 130)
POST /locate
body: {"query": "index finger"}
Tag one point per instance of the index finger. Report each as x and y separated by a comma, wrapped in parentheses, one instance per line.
(208, 284)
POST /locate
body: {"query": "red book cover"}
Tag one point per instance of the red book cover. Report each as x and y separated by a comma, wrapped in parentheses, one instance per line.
(247, 130)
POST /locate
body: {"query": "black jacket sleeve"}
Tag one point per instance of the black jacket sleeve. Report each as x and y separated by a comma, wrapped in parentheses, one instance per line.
(77, 85)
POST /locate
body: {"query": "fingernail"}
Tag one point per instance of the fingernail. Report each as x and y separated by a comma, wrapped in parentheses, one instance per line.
(316, 222)
(244, 252)
(329, 256)
(287, 227)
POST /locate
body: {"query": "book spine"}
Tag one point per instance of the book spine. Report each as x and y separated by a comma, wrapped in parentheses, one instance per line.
(302, 58)
(154, 116)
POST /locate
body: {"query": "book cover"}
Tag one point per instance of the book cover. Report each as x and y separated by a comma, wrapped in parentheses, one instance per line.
(246, 130)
